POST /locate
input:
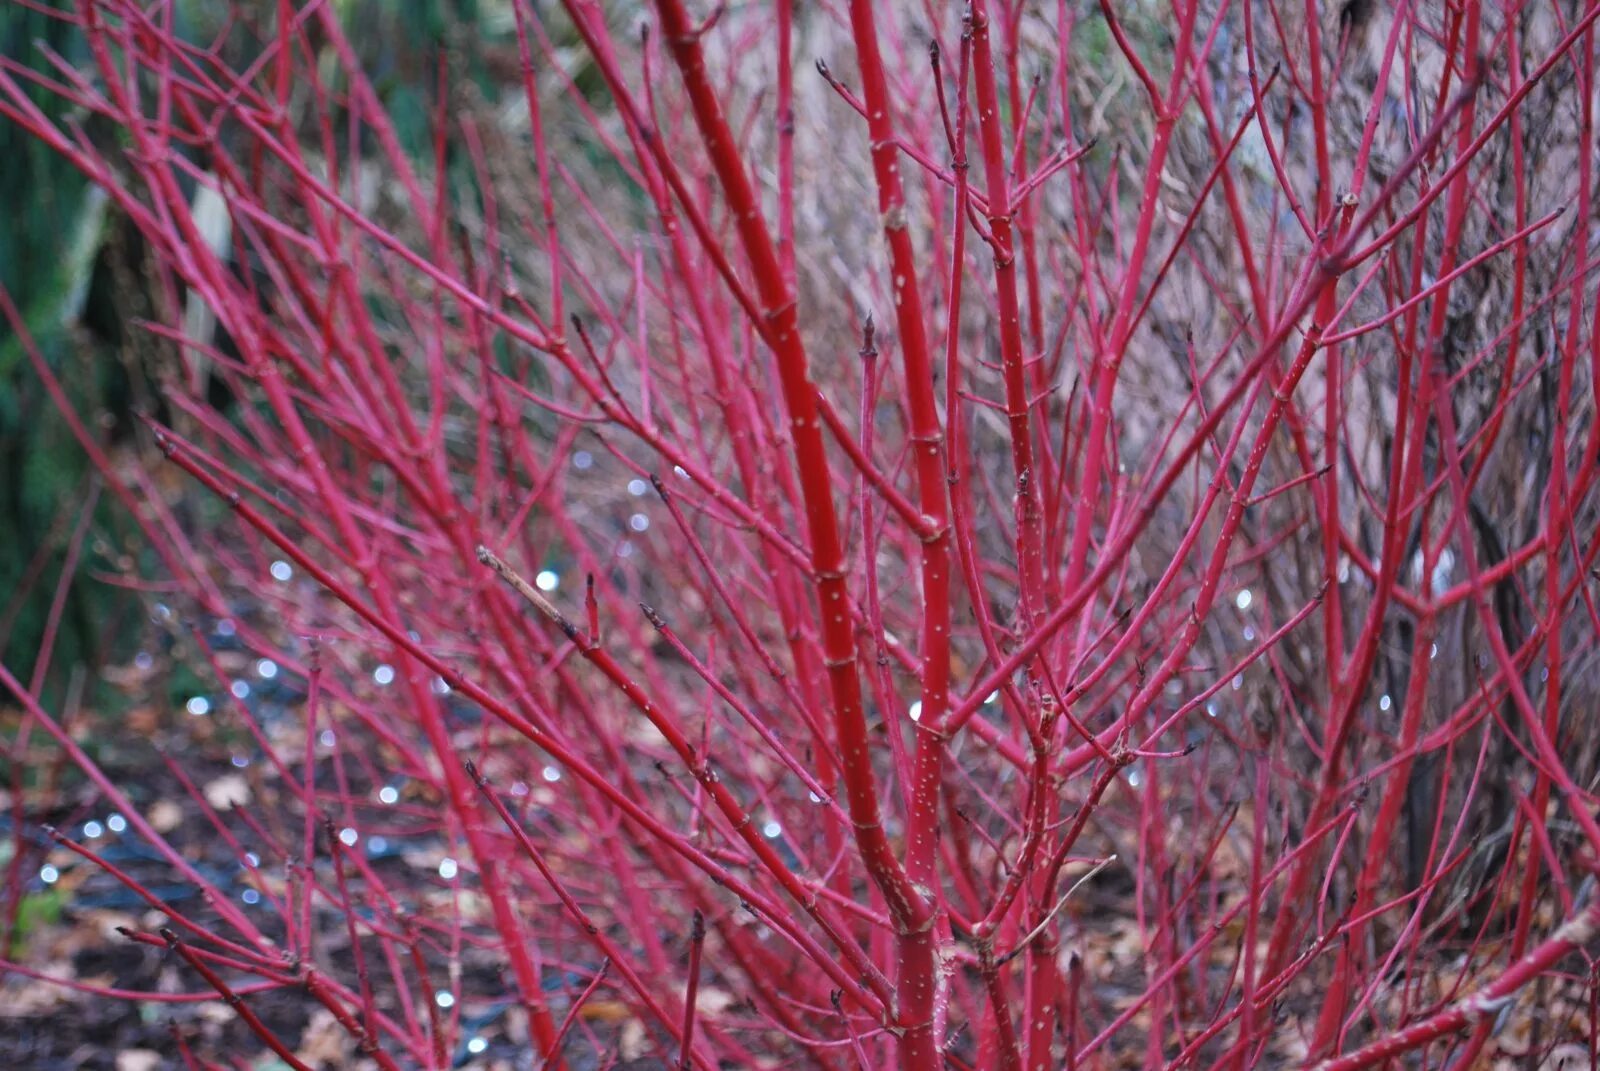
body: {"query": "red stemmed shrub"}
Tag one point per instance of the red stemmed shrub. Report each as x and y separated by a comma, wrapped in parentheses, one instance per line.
(1062, 536)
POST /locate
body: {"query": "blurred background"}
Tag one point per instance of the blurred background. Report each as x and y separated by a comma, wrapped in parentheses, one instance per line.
(76, 271)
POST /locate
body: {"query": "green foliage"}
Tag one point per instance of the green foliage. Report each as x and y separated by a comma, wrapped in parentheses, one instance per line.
(56, 260)
(47, 254)
(37, 910)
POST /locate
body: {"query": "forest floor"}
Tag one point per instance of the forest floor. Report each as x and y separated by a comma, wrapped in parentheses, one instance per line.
(86, 997)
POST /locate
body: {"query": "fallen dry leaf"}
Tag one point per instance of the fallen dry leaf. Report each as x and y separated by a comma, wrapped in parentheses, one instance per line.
(138, 1060)
(324, 1042)
(229, 790)
(165, 816)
